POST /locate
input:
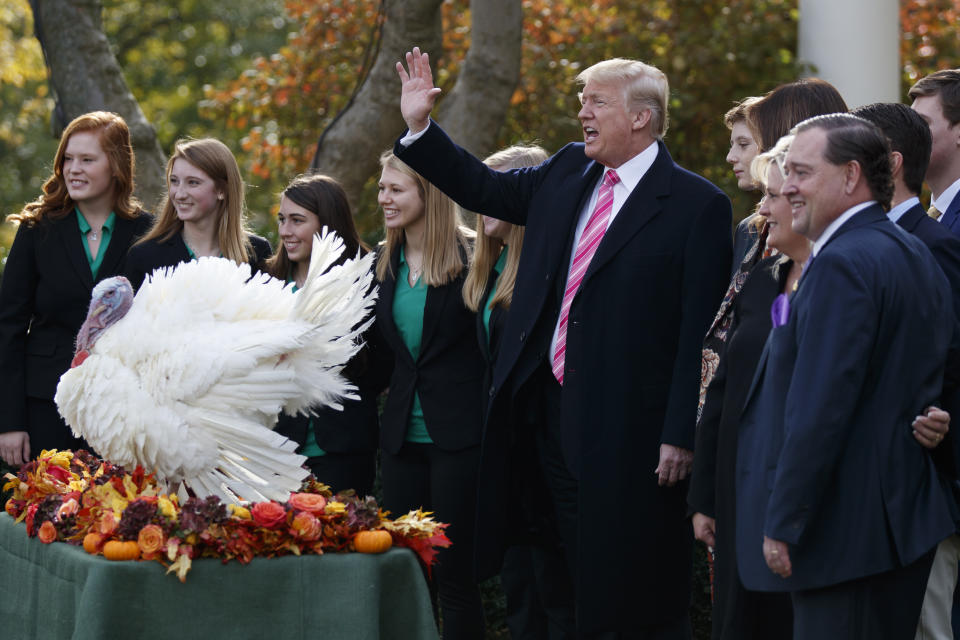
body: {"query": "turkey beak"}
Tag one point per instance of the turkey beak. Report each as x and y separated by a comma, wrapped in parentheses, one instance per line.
(95, 316)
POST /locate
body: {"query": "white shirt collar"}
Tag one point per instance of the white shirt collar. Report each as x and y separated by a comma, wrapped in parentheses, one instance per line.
(897, 212)
(942, 201)
(836, 224)
(633, 170)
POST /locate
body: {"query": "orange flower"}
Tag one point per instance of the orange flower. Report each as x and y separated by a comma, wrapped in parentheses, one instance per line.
(150, 539)
(47, 532)
(306, 526)
(312, 502)
(268, 514)
(108, 523)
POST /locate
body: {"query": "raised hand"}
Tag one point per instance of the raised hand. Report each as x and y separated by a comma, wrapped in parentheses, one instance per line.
(417, 93)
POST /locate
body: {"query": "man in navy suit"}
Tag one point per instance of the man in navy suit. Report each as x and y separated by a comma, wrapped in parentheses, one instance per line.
(910, 144)
(936, 98)
(624, 263)
(836, 502)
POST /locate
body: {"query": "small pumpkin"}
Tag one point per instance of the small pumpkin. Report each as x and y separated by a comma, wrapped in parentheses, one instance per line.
(91, 542)
(376, 541)
(121, 550)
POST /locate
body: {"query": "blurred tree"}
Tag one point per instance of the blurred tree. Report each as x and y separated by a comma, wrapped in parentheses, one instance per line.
(929, 38)
(298, 92)
(26, 146)
(84, 76)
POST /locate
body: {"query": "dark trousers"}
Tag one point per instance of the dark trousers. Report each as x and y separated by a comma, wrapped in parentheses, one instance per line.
(538, 593)
(564, 492)
(343, 471)
(445, 482)
(885, 606)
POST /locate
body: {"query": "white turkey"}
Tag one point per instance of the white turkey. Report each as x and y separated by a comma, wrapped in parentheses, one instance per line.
(188, 377)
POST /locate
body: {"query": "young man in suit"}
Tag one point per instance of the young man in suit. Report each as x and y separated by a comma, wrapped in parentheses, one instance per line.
(937, 99)
(624, 263)
(910, 144)
(849, 511)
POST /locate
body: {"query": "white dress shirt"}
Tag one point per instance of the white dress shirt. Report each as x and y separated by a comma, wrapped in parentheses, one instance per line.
(897, 212)
(836, 224)
(942, 201)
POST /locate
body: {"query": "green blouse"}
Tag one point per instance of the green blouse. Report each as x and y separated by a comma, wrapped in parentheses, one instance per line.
(107, 231)
(487, 309)
(408, 305)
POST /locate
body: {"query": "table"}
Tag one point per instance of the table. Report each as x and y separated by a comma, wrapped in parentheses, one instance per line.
(60, 591)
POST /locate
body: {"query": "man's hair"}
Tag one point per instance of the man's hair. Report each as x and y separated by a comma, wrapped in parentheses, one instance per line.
(738, 113)
(645, 86)
(853, 139)
(772, 116)
(946, 84)
(907, 133)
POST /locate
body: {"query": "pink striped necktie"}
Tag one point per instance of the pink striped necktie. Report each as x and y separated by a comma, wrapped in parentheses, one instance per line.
(589, 241)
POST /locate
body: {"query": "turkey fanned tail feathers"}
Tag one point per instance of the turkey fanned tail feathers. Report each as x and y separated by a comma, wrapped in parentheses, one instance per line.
(189, 382)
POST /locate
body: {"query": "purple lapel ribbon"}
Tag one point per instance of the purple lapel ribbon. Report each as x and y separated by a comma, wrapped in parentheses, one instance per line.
(780, 310)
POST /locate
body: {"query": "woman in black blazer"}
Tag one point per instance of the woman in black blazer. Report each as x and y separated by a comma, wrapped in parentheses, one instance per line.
(341, 446)
(203, 214)
(430, 427)
(76, 234)
(533, 574)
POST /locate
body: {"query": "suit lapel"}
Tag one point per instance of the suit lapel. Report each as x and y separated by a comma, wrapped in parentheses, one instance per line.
(120, 241)
(911, 218)
(951, 217)
(560, 232)
(69, 232)
(387, 291)
(437, 299)
(641, 206)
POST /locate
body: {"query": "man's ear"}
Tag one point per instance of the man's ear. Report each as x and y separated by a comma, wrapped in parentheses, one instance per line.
(642, 119)
(852, 173)
(896, 163)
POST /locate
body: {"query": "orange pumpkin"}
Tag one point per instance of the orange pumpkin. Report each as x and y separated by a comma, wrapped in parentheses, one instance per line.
(121, 550)
(91, 542)
(376, 541)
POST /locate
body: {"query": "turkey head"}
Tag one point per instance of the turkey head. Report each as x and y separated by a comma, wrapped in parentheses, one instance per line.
(110, 301)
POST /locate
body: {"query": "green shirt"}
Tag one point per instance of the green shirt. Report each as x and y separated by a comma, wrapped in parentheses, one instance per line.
(487, 308)
(107, 231)
(309, 448)
(408, 304)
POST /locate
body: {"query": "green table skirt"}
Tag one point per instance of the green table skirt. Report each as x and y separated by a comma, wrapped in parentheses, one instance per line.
(60, 591)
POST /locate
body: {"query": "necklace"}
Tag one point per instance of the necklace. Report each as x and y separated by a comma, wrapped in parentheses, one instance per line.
(94, 234)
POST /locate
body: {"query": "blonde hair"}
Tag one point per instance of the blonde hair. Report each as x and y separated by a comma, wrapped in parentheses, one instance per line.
(114, 138)
(760, 170)
(760, 166)
(216, 160)
(645, 87)
(487, 249)
(445, 236)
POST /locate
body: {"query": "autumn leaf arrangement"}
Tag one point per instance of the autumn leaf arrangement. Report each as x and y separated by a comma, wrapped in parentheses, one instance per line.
(75, 497)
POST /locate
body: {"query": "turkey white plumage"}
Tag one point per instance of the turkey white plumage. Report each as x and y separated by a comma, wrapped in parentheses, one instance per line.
(189, 381)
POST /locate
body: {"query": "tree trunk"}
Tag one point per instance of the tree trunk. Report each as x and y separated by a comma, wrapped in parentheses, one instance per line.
(350, 147)
(85, 76)
(474, 110)
(472, 113)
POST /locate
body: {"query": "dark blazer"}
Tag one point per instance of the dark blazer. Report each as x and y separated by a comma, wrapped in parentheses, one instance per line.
(744, 237)
(43, 301)
(712, 484)
(448, 374)
(632, 378)
(490, 343)
(155, 254)
(945, 247)
(356, 427)
(826, 461)
(951, 217)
